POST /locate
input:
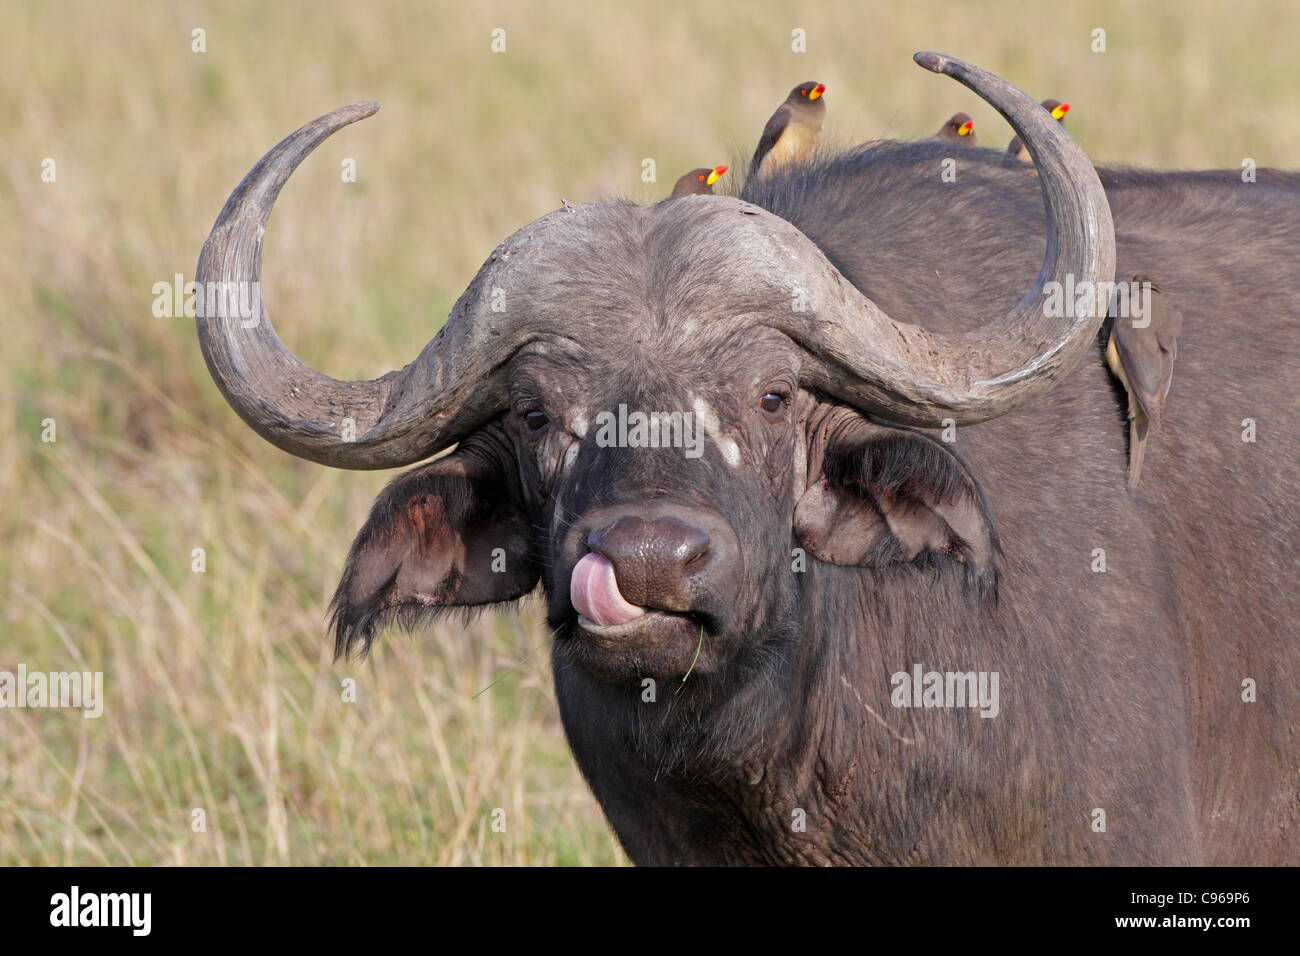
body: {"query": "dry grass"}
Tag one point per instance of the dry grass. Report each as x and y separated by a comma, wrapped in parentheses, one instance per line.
(221, 692)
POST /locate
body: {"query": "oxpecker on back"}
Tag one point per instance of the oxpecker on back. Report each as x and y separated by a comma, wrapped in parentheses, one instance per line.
(792, 132)
(1141, 356)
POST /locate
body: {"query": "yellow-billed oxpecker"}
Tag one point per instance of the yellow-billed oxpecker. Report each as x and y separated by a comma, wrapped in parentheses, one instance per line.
(959, 128)
(1141, 356)
(1016, 151)
(698, 182)
(792, 132)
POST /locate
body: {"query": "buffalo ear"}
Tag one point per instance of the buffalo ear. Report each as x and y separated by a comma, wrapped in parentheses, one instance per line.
(880, 494)
(452, 533)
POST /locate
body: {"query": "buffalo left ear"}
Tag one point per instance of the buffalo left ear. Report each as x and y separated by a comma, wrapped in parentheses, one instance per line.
(452, 533)
(880, 495)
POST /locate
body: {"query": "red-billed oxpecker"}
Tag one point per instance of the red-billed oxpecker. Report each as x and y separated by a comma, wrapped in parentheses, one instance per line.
(698, 182)
(792, 132)
(1141, 352)
(1016, 152)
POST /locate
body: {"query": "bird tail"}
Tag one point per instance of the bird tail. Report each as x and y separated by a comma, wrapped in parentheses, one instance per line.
(1137, 447)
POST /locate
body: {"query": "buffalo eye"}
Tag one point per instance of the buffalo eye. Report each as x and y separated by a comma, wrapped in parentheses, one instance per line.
(772, 403)
(536, 420)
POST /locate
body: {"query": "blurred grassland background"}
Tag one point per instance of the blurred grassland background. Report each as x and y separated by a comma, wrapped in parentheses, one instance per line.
(220, 689)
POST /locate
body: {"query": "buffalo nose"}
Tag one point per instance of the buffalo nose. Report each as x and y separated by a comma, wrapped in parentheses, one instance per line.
(653, 559)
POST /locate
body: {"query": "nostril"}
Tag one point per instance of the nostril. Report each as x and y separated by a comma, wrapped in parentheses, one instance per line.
(696, 550)
(677, 545)
(697, 560)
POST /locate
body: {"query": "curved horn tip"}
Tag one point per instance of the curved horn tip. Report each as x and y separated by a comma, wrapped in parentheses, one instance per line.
(934, 62)
(358, 110)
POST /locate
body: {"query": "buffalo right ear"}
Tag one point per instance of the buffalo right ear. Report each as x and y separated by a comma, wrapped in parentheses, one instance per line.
(452, 533)
(880, 494)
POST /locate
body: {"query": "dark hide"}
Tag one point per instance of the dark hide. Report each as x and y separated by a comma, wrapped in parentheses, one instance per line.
(1119, 691)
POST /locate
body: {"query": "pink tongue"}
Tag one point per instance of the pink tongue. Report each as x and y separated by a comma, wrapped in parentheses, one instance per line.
(593, 590)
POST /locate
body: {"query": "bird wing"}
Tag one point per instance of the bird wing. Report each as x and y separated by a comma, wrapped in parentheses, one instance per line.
(771, 134)
(1148, 354)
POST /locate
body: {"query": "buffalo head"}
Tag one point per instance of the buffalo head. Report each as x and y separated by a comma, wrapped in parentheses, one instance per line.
(656, 410)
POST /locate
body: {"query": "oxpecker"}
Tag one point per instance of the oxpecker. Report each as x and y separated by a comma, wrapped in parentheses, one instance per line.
(792, 132)
(698, 182)
(1141, 356)
(959, 128)
(1016, 152)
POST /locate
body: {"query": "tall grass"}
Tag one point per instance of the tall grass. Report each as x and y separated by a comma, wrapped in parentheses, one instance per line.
(221, 694)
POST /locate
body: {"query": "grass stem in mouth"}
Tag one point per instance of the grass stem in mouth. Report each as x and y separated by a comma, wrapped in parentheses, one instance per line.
(698, 648)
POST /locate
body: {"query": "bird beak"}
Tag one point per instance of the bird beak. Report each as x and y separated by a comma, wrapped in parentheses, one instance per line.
(817, 91)
(1060, 111)
(715, 175)
(966, 128)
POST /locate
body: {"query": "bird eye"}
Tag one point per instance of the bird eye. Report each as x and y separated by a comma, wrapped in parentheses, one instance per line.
(772, 402)
(536, 420)
(803, 92)
(701, 178)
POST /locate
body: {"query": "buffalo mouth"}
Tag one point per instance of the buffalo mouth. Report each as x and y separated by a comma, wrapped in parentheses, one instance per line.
(664, 645)
(650, 625)
(624, 641)
(603, 612)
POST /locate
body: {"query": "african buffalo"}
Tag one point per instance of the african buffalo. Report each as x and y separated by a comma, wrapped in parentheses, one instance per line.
(816, 633)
